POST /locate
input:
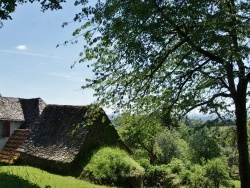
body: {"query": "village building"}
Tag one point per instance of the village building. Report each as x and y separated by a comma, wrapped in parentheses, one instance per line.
(52, 137)
(64, 135)
(56, 138)
(17, 113)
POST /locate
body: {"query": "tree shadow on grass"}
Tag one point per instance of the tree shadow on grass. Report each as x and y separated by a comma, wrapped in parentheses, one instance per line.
(12, 181)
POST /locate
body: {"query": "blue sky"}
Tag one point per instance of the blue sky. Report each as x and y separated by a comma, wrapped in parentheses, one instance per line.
(31, 66)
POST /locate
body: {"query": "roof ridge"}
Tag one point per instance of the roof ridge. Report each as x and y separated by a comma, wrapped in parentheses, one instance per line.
(20, 98)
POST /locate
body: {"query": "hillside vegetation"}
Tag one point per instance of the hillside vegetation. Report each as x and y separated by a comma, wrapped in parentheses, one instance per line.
(182, 153)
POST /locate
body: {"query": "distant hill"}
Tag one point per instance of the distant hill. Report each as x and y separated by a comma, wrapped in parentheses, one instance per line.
(203, 117)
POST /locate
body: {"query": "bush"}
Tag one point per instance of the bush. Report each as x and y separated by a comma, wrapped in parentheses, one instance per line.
(157, 176)
(196, 177)
(204, 145)
(112, 166)
(169, 145)
(216, 170)
(176, 166)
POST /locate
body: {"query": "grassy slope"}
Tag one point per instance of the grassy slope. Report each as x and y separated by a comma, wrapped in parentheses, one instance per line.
(27, 177)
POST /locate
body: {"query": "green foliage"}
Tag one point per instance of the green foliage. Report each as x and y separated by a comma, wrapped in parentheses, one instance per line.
(157, 176)
(196, 177)
(184, 130)
(111, 166)
(146, 58)
(203, 136)
(216, 171)
(176, 166)
(204, 145)
(149, 138)
(178, 173)
(173, 55)
(140, 133)
(170, 145)
(228, 142)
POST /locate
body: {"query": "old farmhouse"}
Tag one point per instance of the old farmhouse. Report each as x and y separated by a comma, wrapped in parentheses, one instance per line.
(17, 113)
(52, 137)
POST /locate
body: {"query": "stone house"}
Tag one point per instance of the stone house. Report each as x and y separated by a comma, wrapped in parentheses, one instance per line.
(64, 135)
(57, 138)
(17, 113)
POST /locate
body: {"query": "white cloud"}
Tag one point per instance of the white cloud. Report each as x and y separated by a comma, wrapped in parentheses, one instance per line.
(21, 47)
(76, 77)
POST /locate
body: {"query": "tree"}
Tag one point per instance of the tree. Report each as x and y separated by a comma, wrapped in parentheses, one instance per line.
(170, 145)
(204, 145)
(140, 133)
(216, 171)
(174, 55)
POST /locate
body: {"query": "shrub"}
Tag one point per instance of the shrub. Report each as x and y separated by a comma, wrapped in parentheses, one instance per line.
(157, 176)
(204, 145)
(112, 166)
(176, 166)
(216, 170)
(170, 145)
(195, 177)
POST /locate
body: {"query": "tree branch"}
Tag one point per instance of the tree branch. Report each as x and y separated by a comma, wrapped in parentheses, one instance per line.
(207, 102)
(187, 75)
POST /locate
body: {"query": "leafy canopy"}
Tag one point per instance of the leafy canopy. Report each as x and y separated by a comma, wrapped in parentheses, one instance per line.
(171, 55)
(184, 54)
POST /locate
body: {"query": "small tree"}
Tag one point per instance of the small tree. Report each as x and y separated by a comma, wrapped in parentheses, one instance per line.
(170, 145)
(196, 178)
(204, 146)
(216, 170)
(140, 132)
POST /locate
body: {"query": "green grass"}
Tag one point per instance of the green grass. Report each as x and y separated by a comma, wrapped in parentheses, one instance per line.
(29, 177)
(236, 183)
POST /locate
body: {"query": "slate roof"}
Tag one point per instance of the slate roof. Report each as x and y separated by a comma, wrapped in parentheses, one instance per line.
(52, 137)
(10, 109)
(63, 131)
(18, 109)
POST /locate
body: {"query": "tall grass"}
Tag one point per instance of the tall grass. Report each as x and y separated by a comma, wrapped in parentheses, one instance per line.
(29, 177)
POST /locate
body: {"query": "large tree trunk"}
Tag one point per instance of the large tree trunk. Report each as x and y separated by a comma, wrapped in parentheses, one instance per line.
(241, 124)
